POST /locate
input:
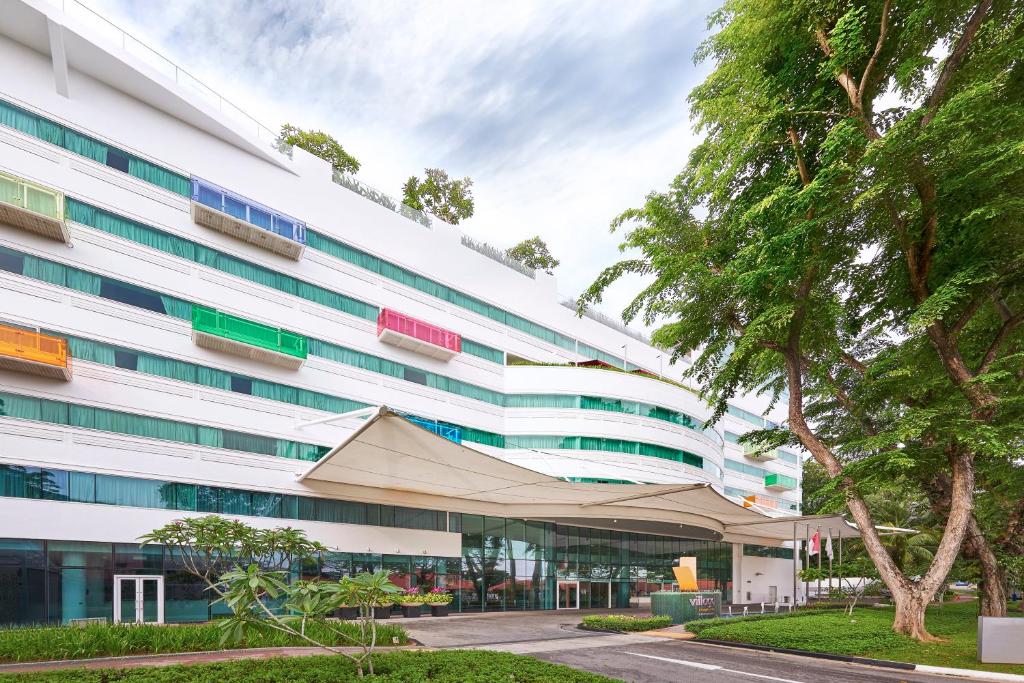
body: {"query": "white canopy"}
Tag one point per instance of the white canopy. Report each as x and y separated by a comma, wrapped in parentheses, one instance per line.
(392, 453)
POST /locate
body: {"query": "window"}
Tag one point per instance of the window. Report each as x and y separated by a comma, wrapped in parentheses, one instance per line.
(126, 360)
(12, 262)
(133, 296)
(414, 375)
(117, 160)
(241, 385)
(250, 443)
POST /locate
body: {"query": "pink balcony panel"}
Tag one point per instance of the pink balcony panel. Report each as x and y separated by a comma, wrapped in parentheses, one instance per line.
(409, 333)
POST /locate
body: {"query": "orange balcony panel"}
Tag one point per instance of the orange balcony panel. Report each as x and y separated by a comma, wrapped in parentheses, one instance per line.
(34, 353)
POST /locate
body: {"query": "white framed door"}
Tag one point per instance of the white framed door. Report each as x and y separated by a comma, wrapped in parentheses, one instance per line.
(568, 595)
(138, 599)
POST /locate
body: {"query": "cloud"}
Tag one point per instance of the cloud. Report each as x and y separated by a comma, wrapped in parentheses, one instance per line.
(563, 113)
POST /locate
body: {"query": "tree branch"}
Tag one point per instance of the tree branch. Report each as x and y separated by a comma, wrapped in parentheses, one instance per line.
(955, 59)
(1009, 325)
(883, 31)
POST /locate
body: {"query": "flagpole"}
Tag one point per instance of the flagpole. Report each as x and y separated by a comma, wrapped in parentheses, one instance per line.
(807, 565)
(829, 546)
(819, 563)
(796, 569)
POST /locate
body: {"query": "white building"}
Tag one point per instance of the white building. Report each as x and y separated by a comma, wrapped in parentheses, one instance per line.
(178, 296)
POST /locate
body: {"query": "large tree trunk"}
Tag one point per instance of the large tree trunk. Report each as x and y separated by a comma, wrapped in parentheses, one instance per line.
(910, 611)
(911, 597)
(992, 589)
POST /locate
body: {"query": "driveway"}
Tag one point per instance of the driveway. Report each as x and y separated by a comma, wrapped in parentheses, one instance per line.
(553, 636)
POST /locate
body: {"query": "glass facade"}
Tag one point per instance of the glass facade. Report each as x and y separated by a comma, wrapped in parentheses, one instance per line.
(506, 564)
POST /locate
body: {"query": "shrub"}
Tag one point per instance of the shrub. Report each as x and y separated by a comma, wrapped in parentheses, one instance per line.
(443, 666)
(110, 640)
(821, 631)
(622, 622)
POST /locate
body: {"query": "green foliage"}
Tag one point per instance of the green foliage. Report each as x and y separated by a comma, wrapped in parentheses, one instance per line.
(623, 622)
(866, 633)
(211, 546)
(119, 640)
(866, 258)
(249, 593)
(319, 143)
(449, 199)
(442, 666)
(534, 253)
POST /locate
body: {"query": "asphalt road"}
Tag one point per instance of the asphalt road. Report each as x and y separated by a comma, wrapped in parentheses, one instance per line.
(553, 636)
(679, 661)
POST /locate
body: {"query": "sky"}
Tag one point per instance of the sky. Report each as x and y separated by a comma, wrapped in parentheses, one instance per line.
(564, 113)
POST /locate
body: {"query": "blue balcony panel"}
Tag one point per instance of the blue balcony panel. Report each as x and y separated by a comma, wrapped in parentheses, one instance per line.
(235, 215)
(446, 431)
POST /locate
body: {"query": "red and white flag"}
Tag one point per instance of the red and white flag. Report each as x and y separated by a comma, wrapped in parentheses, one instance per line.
(815, 544)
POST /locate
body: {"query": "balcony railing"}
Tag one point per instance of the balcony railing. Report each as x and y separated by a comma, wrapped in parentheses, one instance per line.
(230, 213)
(780, 482)
(750, 501)
(219, 331)
(32, 207)
(34, 353)
(446, 431)
(382, 198)
(409, 333)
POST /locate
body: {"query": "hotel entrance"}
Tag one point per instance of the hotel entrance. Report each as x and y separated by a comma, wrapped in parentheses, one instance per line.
(568, 595)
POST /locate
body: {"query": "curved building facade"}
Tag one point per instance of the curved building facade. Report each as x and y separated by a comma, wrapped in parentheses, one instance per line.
(180, 298)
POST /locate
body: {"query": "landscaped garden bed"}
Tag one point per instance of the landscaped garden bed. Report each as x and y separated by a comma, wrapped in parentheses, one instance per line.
(868, 633)
(624, 622)
(109, 640)
(443, 666)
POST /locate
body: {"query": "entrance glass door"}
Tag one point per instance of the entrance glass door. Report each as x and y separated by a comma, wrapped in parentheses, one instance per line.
(138, 599)
(568, 595)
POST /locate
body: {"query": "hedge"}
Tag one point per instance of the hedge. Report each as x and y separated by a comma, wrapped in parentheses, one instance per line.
(621, 622)
(441, 666)
(117, 640)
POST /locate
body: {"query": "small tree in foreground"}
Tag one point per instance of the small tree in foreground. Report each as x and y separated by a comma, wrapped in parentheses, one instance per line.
(248, 569)
(448, 199)
(320, 144)
(860, 568)
(534, 253)
(249, 591)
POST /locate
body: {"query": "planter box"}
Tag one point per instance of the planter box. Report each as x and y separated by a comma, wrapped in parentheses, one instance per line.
(411, 611)
(382, 612)
(439, 610)
(999, 640)
(347, 613)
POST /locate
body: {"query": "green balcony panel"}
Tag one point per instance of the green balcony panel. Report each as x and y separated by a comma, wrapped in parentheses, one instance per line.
(219, 331)
(760, 454)
(32, 207)
(780, 482)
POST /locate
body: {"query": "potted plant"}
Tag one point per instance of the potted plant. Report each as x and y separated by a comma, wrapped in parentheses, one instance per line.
(439, 600)
(347, 612)
(382, 610)
(411, 601)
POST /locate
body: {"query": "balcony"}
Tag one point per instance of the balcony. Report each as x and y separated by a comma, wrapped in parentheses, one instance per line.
(32, 207)
(780, 482)
(218, 331)
(760, 454)
(415, 335)
(446, 431)
(244, 219)
(750, 501)
(34, 353)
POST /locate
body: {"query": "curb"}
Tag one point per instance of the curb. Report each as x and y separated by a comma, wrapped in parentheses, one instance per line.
(975, 674)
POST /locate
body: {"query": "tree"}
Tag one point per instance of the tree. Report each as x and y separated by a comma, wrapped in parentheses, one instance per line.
(211, 546)
(448, 199)
(247, 592)
(320, 144)
(842, 251)
(534, 253)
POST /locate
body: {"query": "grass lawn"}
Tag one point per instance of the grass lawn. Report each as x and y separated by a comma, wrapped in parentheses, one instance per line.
(867, 634)
(443, 666)
(108, 640)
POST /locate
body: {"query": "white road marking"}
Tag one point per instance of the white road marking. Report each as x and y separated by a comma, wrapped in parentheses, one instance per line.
(713, 667)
